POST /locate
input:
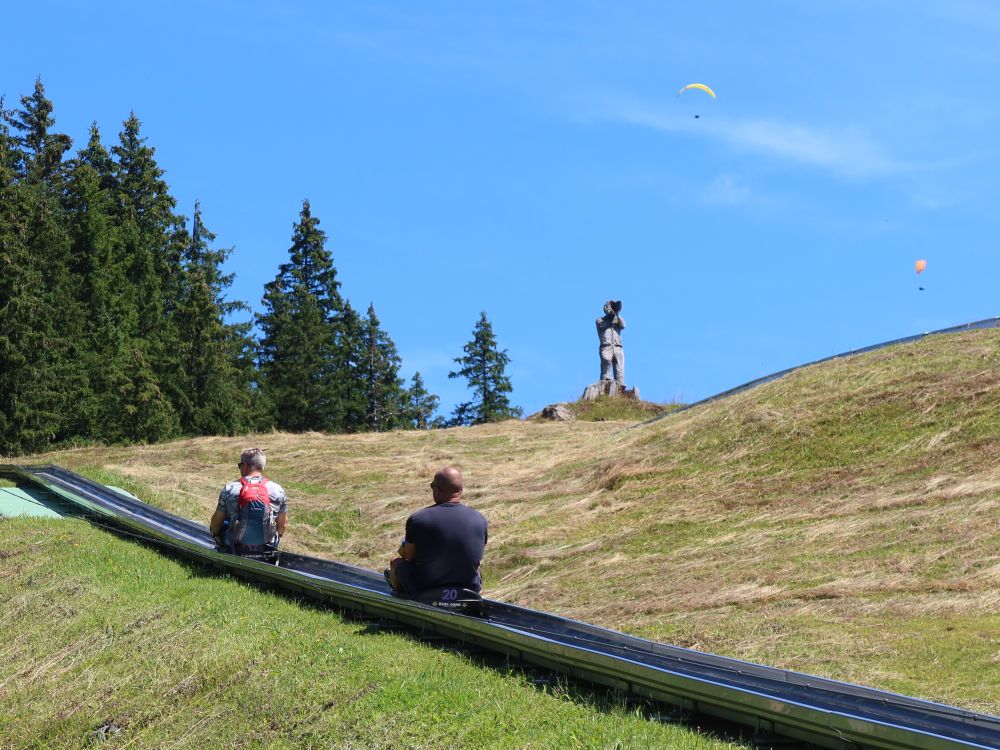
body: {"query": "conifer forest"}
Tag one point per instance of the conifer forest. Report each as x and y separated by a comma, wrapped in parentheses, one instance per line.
(116, 325)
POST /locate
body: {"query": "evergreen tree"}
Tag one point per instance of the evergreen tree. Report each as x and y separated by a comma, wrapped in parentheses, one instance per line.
(303, 312)
(211, 349)
(155, 232)
(43, 184)
(97, 261)
(98, 158)
(147, 416)
(152, 238)
(40, 151)
(351, 384)
(98, 278)
(484, 366)
(98, 266)
(421, 404)
(23, 319)
(40, 323)
(386, 399)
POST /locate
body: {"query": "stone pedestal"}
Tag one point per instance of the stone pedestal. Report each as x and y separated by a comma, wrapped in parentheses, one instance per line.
(609, 388)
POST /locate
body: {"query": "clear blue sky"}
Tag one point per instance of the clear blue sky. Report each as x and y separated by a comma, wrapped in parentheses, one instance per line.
(532, 160)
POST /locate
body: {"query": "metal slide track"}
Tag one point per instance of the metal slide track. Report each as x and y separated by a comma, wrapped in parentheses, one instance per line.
(978, 324)
(772, 701)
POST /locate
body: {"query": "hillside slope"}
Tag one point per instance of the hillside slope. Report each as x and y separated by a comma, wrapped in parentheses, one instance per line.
(840, 521)
(106, 643)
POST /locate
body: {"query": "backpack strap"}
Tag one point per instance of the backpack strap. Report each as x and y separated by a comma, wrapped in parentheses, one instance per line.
(246, 482)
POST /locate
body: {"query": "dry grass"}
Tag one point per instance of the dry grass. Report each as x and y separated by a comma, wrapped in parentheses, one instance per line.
(832, 521)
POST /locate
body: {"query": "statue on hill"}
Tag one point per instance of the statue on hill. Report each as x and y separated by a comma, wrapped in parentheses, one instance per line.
(609, 334)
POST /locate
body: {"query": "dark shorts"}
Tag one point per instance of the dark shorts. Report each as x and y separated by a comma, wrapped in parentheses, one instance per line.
(406, 576)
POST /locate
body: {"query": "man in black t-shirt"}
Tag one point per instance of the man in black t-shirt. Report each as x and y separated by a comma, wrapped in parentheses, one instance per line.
(444, 542)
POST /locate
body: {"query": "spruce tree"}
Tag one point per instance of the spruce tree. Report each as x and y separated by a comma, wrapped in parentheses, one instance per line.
(40, 323)
(152, 236)
(157, 232)
(298, 349)
(98, 266)
(421, 404)
(23, 319)
(483, 366)
(350, 355)
(147, 415)
(44, 182)
(97, 260)
(385, 396)
(211, 349)
(41, 151)
(98, 158)
(97, 276)
(127, 402)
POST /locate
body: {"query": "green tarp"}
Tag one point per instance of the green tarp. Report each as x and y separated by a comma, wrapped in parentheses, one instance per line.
(23, 501)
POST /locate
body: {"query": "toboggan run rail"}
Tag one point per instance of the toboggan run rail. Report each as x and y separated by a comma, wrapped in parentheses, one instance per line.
(772, 701)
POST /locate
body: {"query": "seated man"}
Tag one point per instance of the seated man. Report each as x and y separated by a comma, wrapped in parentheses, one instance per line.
(444, 542)
(254, 507)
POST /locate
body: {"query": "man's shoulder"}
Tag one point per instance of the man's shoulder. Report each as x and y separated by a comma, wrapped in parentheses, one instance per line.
(472, 518)
(232, 488)
(423, 514)
(444, 510)
(476, 512)
(274, 489)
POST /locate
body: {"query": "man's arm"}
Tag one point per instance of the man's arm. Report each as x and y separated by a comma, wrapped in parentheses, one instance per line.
(393, 581)
(215, 525)
(279, 504)
(407, 553)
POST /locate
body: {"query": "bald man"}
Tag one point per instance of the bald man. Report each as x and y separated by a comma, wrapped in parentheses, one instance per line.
(444, 542)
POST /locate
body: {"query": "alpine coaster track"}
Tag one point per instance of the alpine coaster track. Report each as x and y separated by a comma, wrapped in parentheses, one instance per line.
(774, 701)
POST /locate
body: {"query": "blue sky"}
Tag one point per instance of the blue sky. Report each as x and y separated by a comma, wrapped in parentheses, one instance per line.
(533, 159)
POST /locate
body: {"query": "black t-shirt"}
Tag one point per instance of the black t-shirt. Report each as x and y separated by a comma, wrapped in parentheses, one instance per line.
(450, 539)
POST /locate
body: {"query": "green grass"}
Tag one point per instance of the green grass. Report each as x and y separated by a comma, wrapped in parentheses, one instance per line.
(333, 525)
(108, 643)
(607, 409)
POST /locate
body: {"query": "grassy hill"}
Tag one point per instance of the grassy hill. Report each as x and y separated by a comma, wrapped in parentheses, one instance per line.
(106, 643)
(841, 521)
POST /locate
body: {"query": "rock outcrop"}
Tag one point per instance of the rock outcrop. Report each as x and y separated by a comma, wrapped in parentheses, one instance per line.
(557, 413)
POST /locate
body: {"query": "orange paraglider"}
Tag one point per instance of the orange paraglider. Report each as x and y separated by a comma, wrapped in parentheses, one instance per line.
(920, 265)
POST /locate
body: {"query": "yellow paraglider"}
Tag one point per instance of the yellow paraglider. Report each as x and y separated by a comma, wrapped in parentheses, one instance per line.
(701, 86)
(920, 265)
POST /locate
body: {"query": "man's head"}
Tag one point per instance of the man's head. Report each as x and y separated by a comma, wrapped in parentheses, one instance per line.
(447, 485)
(252, 460)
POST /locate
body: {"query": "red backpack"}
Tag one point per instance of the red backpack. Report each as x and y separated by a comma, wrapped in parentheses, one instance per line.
(253, 513)
(254, 492)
